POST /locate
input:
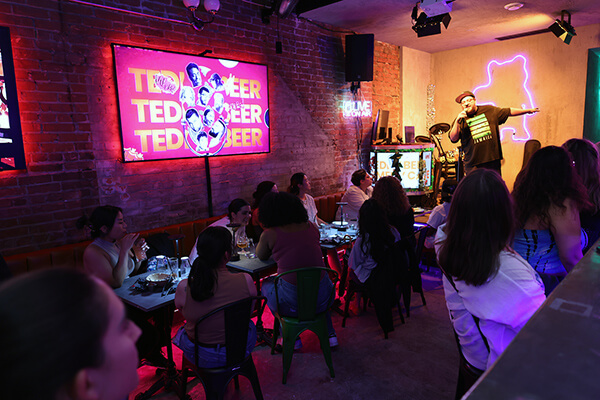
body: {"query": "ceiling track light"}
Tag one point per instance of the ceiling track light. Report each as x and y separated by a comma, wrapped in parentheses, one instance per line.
(563, 29)
(433, 14)
(211, 6)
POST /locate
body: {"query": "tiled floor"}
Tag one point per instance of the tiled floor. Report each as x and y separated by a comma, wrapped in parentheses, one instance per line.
(418, 361)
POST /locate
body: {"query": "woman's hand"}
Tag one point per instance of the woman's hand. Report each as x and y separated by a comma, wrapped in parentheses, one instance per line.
(139, 249)
(127, 242)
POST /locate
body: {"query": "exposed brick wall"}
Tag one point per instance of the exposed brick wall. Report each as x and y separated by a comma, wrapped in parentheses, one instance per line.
(67, 99)
(387, 88)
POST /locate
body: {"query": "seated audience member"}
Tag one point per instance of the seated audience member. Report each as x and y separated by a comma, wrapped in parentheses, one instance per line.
(65, 336)
(114, 254)
(293, 242)
(548, 196)
(209, 286)
(360, 190)
(374, 261)
(261, 189)
(300, 186)
(390, 195)
(585, 156)
(440, 213)
(238, 212)
(375, 236)
(491, 292)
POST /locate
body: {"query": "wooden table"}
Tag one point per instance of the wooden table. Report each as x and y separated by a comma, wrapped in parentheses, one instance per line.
(148, 302)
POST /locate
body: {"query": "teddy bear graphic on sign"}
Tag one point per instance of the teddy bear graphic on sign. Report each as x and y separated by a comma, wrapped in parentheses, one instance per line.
(507, 80)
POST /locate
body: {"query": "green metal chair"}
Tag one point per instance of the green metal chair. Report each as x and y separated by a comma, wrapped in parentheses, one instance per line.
(307, 285)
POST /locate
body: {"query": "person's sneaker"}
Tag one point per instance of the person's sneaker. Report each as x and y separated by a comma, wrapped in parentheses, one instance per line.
(333, 342)
(298, 344)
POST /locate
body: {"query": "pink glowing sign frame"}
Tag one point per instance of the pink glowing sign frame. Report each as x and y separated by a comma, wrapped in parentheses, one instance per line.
(529, 96)
(174, 105)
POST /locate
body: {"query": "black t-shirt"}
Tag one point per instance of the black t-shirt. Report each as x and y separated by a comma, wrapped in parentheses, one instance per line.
(480, 137)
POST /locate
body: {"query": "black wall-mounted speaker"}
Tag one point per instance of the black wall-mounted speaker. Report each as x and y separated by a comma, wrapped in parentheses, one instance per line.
(359, 57)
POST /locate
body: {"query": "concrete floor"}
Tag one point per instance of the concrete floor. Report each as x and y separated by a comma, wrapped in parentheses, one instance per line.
(418, 361)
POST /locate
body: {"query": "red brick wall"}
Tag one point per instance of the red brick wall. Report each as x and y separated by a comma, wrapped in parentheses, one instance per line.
(69, 115)
(387, 88)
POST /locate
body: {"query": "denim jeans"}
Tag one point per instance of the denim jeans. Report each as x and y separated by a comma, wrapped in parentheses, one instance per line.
(288, 298)
(210, 357)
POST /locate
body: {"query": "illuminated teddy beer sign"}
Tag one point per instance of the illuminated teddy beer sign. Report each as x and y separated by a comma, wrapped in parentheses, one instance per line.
(178, 106)
(357, 109)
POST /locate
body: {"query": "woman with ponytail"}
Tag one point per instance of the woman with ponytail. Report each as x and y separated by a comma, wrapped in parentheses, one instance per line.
(209, 286)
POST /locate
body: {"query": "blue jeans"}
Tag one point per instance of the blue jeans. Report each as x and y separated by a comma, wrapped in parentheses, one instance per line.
(288, 298)
(210, 357)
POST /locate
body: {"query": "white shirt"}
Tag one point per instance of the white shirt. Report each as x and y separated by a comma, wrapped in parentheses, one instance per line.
(437, 217)
(503, 305)
(311, 208)
(221, 222)
(355, 197)
(361, 262)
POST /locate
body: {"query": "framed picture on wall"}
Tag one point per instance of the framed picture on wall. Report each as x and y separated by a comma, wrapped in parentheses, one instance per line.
(174, 105)
(12, 155)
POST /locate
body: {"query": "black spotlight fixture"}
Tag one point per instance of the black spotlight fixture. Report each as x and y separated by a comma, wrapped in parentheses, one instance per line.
(563, 29)
(427, 26)
(433, 14)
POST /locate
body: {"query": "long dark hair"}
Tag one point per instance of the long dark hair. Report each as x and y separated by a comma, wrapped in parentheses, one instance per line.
(261, 189)
(53, 325)
(548, 180)
(374, 229)
(101, 216)
(389, 193)
(213, 243)
(480, 225)
(279, 209)
(296, 180)
(587, 164)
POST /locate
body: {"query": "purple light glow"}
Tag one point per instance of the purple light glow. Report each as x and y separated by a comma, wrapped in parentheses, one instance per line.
(525, 116)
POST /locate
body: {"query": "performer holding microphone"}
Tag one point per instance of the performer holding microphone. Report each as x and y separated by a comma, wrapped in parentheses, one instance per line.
(478, 130)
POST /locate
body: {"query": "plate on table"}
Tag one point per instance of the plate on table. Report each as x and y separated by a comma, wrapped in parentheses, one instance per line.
(418, 209)
(158, 279)
(339, 224)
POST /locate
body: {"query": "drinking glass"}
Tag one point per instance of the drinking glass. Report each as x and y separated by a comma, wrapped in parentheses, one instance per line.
(251, 253)
(185, 267)
(139, 249)
(353, 225)
(162, 264)
(242, 242)
(174, 266)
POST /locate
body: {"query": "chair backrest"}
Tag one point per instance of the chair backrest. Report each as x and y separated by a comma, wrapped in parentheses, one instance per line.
(237, 319)
(423, 233)
(531, 146)
(307, 287)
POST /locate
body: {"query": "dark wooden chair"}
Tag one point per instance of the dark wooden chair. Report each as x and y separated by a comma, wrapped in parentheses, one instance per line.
(216, 380)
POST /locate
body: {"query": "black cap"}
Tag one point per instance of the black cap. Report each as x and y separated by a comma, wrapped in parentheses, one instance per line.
(463, 95)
